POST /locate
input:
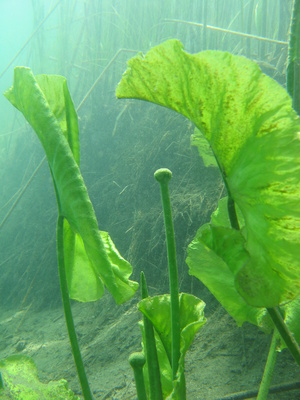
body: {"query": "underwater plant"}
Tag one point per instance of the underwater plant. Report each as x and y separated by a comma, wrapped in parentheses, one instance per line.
(248, 255)
(293, 68)
(87, 258)
(22, 383)
(170, 323)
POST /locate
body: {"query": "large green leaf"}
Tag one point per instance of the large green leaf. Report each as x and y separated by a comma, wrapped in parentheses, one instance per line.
(158, 310)
(254, 134)
(213, 256)
(46, 104)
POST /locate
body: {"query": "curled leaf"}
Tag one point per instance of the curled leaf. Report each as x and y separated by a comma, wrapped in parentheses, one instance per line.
(214, 255)
(158, 310)
(254, 134)
(47, 105)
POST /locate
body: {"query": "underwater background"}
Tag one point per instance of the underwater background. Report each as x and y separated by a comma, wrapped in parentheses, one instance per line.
(122, 143)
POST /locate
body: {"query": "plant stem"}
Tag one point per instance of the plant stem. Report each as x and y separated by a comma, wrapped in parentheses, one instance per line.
(151, 351)
(269, 368)
(218, 29)
(137, 362)
(247, 394)
(232, 213)
(1, 382)
(68, 311)
(163, 176)
(293, 68)
(285, 333)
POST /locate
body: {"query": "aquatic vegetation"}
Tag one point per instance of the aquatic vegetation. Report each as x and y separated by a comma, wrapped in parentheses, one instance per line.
(248, 255)
(169, 325)
(87, 257)
(292, 71)
(21, 382)
(78, 39)
(90, 256)
(253, 132)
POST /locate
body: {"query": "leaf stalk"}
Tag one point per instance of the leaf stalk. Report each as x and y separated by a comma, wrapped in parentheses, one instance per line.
(68, 312)
(151, 351)
(163, 176)
(285, 333)
(269, 368)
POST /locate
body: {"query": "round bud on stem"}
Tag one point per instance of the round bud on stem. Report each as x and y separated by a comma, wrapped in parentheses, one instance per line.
(163, 175)
(137, 360)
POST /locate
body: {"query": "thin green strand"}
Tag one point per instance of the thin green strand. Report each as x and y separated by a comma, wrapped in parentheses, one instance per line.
(163, 176)
(68, 312)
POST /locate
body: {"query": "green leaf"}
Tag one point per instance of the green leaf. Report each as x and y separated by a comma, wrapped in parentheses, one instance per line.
(83, 282)
(46, 104)
(214, 255)
(253, 132)
(21, 382)
(291, 312)
(61, 104)
(158, 310)
(204, 150)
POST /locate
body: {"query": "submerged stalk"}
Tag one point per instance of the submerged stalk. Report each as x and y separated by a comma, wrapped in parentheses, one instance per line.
(68, 312)
(293, 67)
(1, 382)
(269, 368)
(163, 176)
(285, 333)
(232, 213)
(137, 362)
(151, 351)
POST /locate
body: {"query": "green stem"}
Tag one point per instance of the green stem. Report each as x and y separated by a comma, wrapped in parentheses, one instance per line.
(68, 311)
(269, 368)
(163, 176)
(232, 213)
(151, 351)
(234, 222)
(293, 68)
(285, 333)
(249, 394)
(137, 362)
(1, 382)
